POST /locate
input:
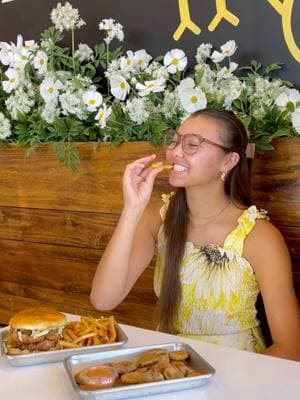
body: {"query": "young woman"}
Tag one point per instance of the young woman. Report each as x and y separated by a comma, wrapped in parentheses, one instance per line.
(215, 250)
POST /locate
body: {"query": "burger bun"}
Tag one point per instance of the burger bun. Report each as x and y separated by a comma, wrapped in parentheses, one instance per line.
(37, 318)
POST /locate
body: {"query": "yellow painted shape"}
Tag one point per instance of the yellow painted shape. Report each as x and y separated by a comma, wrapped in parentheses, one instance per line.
(222, 13)
(285, 9)
(185, 21)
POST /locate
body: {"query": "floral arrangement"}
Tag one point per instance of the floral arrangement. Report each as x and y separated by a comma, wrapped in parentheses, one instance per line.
(62, 95)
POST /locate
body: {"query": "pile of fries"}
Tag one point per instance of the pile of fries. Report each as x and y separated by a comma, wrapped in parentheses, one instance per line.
(88, 332)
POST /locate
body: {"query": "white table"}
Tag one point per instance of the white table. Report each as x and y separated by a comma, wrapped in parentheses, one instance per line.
(240, 375)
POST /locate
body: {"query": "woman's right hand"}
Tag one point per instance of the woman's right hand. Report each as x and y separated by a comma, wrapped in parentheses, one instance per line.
(138, 180)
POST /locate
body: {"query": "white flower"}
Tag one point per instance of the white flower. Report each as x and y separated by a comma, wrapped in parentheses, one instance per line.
(229, 48)
(50, 111)
(47, 44)
(187, 83)
(175, 60)
(40, 62)
(5, 128)
(203, 52)
(136, 109)
(113, 69)
(21, 101)
(103, 115)
(192, 99)
(171, 104)
(17, 47)
(6, 53)
(66, 17)
(84, 53)
(21, 58)
(49, 89)
(127, 63)
(141, 59)
(13, 80)
(156, 70)
(296, 120)
(227, 72)
(119, 87)
(154, 86)
(72, 104)
(113, 30)
(289, 96)
(217, 57)
(92, 99)
(31, 45)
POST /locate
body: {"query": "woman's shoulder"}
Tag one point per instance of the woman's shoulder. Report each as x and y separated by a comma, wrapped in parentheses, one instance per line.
(264, 241)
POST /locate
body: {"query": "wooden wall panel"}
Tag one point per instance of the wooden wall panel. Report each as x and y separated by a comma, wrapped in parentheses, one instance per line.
(276, 182)
(15, 297)
(69, 228)
(39, 182)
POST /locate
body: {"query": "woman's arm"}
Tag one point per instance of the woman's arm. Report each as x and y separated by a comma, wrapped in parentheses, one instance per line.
(132, 244)
(268, 254)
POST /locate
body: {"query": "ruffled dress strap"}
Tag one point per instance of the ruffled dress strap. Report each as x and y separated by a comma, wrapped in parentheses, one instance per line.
(166, 198)
(235, 240)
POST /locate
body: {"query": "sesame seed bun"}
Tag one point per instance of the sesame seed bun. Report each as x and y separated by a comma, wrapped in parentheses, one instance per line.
(37, 318)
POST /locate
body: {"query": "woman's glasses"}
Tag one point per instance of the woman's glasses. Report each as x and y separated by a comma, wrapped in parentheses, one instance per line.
(190, 142)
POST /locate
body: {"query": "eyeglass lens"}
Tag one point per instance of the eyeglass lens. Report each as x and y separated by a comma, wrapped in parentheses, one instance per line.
(190, 142)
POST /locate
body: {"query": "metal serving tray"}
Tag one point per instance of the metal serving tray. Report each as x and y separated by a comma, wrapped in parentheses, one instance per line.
(42, 357)
(76, 363)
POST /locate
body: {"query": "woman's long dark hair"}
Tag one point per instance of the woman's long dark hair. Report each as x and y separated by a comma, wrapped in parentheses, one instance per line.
(237, 187)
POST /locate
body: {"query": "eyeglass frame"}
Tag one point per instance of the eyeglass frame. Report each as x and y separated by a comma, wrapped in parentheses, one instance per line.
(199, 137)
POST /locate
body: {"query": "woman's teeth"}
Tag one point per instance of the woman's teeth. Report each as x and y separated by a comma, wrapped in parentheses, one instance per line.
(179, 168)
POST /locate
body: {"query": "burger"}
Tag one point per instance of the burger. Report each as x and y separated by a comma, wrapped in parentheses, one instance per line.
(35, 329)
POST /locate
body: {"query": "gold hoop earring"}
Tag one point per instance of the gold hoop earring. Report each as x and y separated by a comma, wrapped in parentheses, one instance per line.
(223, 176)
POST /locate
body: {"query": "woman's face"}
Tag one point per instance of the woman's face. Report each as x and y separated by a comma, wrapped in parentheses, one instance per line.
(206, 164)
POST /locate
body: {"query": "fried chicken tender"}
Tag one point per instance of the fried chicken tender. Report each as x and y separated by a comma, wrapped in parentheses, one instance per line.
(194, 373)
(150, 357)
(163, 363)
(182, 367)
(139, 376)
(124, 367)
(173, 373)
(178, 355)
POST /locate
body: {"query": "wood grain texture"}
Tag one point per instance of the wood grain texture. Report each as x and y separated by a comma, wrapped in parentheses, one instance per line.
(40, 183)
(54, 225)
(276, 182)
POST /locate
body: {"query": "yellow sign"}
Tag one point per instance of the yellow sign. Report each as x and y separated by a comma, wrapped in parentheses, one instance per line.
(283, 7)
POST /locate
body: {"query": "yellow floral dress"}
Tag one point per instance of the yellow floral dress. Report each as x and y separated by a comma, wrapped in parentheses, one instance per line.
(219, 288)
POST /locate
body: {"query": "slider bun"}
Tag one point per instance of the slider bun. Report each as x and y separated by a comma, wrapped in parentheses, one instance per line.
(37, 318)
(97, 377)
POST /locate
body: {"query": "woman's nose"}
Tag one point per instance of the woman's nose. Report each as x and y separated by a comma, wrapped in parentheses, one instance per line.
(178, 150)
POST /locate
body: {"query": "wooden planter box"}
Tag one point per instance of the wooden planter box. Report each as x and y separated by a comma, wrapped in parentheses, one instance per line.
(55, 224)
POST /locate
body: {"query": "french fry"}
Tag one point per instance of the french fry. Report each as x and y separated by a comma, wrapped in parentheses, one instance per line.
(71, 334)
(89, 332)
(66, 336)
(67, 345)
(161, 165)
(112, 329)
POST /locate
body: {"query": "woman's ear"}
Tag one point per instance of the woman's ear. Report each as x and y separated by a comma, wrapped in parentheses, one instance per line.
(231, 161)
